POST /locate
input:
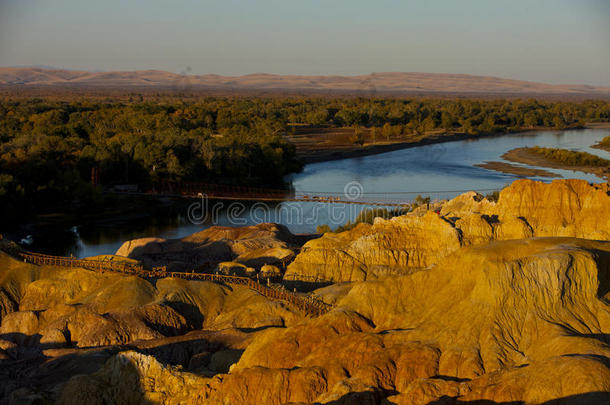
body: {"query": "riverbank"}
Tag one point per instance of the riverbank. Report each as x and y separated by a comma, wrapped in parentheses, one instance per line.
(332, 144)
(517, 170)
(525, 156)
(604, 144)
(59, 232)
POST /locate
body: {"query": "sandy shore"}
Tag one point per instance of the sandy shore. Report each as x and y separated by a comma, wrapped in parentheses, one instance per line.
(350, 151)
(517, 170)
(601, 147)
(598, 125)
(524, 156)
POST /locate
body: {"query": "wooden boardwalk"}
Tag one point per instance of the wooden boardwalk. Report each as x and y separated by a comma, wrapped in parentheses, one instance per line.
(308, 305)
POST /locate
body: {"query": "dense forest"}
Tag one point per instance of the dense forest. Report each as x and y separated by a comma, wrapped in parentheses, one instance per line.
(48, 147)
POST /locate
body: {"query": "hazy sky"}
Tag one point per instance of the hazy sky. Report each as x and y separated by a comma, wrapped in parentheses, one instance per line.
(555, 41)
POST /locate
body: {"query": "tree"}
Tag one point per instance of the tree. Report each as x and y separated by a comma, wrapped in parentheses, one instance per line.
(559, 122)
(374, 134)
(358, 137)
(387, 131)
(447, 121)
(172, 164)
(530, 120)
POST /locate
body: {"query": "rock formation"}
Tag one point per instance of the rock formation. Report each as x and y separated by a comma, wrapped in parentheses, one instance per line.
(54, 312)
(394, 246)
(253, 246)
(510, 322)
(412, 242)
(493, 303)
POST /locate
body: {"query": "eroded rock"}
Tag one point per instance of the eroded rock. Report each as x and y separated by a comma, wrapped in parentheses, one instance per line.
(415, 241)
(252, 246)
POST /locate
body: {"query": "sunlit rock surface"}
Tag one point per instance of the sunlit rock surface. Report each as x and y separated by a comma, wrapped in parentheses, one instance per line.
(513, 321)
(475, 305)
(253, 246)
(412, 242)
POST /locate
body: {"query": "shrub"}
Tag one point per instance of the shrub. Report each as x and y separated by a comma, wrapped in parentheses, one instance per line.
(493, 197)
(569, 157)
(366, 216)
(323, 228)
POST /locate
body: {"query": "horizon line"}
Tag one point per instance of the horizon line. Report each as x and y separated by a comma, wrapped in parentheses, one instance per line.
(188, 73)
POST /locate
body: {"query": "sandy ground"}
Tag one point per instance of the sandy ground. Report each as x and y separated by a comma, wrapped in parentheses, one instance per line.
(517, 170)
(324, 144)
(599, 125)
(599, 145)
(522, 155)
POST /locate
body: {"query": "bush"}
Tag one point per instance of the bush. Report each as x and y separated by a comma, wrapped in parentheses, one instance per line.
(493, 197)
(323, 229)
(569, 157)
(368, 216)
(419, 200)
(357, 138)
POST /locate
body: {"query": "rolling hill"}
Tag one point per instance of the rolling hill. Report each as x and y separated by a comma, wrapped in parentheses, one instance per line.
(370, 84)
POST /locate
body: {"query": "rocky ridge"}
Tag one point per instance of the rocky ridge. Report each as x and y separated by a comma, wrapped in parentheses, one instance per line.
(412, 242)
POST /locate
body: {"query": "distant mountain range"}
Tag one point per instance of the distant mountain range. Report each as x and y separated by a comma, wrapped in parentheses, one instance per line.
(369, 84)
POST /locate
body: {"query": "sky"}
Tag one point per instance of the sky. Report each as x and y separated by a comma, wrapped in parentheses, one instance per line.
(552, 41)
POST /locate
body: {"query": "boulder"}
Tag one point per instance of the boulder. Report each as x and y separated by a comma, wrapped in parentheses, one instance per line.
(232, 269)
(270, 271)
(269, 256)
(133, 378)
(253, 246)
(511, 321)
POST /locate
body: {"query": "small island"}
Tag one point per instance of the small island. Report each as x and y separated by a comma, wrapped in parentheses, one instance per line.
(560, 159)
(520, 171)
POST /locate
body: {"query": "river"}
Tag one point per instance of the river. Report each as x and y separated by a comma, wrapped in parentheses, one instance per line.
(439, 171)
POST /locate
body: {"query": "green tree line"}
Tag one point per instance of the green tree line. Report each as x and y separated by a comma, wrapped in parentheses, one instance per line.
(48, 147)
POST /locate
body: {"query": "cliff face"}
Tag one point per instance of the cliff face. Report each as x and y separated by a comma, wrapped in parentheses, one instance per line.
(409, 243)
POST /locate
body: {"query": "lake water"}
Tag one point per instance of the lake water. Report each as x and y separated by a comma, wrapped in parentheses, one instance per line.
(439, 171)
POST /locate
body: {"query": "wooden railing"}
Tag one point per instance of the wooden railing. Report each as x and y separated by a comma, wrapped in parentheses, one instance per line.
(309, 305)
(99, 265)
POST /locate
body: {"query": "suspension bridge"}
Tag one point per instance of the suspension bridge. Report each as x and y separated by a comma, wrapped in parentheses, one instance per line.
(309, 305)
(401, 199)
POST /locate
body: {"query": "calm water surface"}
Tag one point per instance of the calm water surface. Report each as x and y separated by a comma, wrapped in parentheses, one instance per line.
(439, 171)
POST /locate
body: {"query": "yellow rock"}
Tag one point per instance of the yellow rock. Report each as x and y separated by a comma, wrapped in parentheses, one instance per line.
(412, 242)
(509, 321)
(389, 247)
(253, 246)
